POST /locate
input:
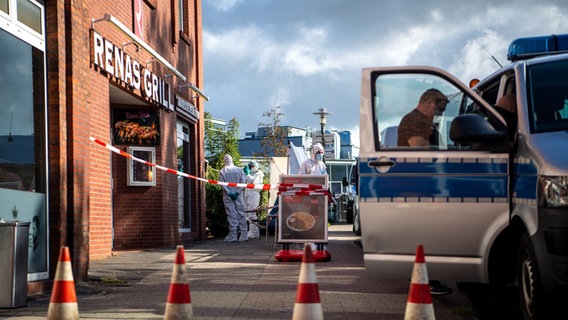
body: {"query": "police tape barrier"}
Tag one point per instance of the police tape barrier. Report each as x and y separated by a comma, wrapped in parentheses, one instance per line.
(298, 189)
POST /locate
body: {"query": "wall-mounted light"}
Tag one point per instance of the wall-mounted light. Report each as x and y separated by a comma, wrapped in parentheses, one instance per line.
(124, 44)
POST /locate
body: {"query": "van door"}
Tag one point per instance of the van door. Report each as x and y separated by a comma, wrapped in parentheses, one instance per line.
(451, 197)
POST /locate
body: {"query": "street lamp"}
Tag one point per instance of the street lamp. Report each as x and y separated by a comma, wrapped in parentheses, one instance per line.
(322, 112)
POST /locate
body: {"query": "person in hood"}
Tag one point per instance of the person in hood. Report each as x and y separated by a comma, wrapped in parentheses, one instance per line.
(233, 200)
(315, 164)
(252, 197)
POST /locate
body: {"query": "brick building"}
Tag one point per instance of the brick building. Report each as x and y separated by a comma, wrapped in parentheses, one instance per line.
(127, 73)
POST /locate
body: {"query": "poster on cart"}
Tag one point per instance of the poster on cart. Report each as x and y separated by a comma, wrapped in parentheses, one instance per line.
(303, 217)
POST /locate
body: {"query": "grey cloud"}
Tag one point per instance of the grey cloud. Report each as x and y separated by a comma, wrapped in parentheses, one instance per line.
(325, 71)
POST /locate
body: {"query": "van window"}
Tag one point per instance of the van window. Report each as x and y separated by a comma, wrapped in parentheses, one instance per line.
(548, 96)
(396, 95)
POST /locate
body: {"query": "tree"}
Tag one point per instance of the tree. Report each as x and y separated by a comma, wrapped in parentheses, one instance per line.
(274, 144)
(221, 141)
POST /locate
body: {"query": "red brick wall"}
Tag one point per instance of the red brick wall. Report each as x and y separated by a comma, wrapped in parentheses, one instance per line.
(83, 202)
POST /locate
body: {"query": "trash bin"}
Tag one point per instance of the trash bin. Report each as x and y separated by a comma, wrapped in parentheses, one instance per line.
(14, 237)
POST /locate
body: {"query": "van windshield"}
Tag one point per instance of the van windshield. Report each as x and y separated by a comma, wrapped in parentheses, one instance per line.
(548, 96)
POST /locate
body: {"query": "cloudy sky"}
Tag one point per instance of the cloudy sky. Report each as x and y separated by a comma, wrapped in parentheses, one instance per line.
(302, 55)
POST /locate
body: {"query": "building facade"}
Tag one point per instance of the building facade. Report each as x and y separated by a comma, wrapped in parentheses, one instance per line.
(338, 144)
(126, 73)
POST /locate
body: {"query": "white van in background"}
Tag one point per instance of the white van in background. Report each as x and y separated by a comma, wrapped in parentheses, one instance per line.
(490, 204)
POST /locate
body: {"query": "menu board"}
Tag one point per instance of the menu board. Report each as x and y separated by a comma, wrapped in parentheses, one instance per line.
(302, 217)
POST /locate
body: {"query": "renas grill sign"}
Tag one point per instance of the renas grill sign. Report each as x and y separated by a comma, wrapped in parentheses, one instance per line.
(113, 60)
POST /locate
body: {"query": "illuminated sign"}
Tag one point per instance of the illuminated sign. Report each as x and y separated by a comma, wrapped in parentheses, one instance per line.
(113, 60)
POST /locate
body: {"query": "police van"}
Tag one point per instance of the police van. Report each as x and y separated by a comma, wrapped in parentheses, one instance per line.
(490, 203)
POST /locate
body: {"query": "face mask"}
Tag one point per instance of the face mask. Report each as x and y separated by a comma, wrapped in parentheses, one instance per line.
(253, 169)
(319, 156)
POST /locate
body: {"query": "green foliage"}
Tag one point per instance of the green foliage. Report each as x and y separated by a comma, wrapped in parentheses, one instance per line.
(215, 210)
(219, 142)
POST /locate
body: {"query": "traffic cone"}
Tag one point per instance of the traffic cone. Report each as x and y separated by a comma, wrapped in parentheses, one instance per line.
(178, 305)
(307, 304)
(419, 304)
(63, 303)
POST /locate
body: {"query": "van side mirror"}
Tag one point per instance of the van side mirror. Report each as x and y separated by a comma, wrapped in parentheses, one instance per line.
(344, 182)
(473, 127)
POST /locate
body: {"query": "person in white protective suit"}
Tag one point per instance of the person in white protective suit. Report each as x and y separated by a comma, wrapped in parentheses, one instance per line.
(233, 200)
(315, 164)
(252, 197)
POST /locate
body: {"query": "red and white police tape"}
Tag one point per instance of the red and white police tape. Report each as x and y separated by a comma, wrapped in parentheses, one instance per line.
(289, 188)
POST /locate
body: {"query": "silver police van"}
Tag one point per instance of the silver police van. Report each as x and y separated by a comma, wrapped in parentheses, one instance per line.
(487, 196)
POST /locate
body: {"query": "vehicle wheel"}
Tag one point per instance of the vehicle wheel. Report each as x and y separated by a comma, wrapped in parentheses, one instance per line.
(529, 286)
(356, 218)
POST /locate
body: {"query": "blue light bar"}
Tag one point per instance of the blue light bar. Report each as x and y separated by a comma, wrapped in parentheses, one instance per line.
(524, 48)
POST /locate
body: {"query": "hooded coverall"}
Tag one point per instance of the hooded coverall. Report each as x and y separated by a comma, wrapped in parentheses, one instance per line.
(312, 165)
(233, 201)
(252, 198)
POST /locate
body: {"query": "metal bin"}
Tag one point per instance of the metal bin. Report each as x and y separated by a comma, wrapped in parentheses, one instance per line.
(14, 237)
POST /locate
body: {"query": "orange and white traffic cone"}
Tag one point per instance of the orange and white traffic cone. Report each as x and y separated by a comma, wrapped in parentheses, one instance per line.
(178, 305)
(63, 303)
(308, 305)
(419, 304)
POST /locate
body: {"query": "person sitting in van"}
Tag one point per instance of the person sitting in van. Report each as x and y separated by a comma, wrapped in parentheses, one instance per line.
(416, 128)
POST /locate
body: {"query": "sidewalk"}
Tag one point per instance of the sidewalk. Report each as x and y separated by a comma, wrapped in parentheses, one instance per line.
(240, 281)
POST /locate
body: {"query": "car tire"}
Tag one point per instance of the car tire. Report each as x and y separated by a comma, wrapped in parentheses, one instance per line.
(531, 295)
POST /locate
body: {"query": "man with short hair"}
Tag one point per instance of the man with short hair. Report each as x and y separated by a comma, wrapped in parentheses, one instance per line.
(415, 128)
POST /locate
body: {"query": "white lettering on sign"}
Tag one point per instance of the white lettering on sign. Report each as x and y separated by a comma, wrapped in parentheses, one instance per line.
(118, 64)
(109, 50)
(128, 70)
(136, 80)
(98, 49)
(147, 83)
(185, 107)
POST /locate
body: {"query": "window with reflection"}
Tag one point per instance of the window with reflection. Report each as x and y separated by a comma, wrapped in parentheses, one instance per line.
(5, 6)
(22, 115)
(30, 15)
(23, 167)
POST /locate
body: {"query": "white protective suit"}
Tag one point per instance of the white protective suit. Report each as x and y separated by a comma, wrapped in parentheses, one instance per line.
(252, 199)
(313, 165)
(233, 201)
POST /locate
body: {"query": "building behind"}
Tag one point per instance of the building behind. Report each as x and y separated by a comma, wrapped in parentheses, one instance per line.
(338, 144)
(127, 73)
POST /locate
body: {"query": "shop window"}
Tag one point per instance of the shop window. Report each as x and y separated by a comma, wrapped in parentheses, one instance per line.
(141, 174)
(184, 186)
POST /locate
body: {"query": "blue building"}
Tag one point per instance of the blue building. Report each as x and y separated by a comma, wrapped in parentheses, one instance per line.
(338, 145)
